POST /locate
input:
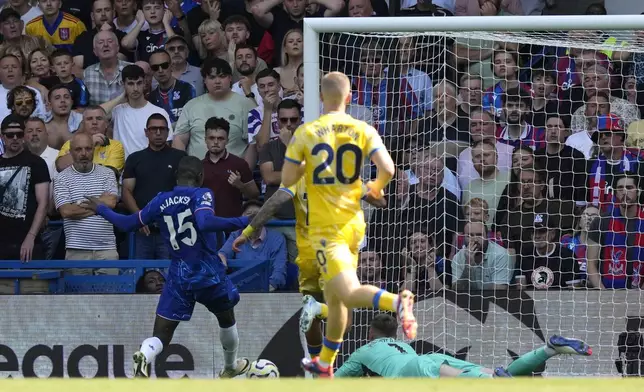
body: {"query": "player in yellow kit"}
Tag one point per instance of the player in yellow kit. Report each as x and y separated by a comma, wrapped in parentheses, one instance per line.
(329, 153)
(310, 281)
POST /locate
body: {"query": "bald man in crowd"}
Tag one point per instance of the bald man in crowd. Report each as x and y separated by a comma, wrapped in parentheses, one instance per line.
(88, 236)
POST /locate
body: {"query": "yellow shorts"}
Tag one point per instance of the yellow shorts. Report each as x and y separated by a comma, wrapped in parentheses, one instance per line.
(336, 247)
(308, 275)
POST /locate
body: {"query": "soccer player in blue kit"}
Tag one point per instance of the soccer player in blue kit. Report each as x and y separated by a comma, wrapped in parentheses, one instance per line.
(188, 224)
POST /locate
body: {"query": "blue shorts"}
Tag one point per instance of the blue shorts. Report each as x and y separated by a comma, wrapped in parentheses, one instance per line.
(177, 303)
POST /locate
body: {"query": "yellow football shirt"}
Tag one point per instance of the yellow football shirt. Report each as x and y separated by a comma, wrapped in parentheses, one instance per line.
(334, 149)
(112, 155)
(61, 34)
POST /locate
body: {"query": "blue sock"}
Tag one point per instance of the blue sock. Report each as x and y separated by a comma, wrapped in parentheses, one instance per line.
(314, 351)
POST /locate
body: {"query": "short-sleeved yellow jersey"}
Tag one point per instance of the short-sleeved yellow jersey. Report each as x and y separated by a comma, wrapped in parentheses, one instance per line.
(309, 277)
(112, 155)
(61, 34)
(334, 149)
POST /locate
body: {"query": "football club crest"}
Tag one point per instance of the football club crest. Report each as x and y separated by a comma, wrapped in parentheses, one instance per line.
(542, 278)
(64, 34)
(176, 96)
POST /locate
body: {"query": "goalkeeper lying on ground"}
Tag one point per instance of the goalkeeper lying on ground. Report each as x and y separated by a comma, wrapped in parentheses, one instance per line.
(384, 356)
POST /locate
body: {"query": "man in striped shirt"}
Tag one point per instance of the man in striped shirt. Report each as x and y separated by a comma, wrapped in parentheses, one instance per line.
(88, 236)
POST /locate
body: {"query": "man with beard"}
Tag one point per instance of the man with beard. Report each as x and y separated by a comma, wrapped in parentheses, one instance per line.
(481, 264)
(83, 49)
(236, 29)
(278, 19)
(517, 131)
(130, 117)
(24, 195)
(87, 236)
(612, 160)
(22, 101)
(170, 94)
(64, 121)
(614, 253)
(178, 49)
(247, 66)
(10, 77)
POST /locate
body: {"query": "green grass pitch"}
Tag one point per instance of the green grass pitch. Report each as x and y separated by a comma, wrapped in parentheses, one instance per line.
(308, 385)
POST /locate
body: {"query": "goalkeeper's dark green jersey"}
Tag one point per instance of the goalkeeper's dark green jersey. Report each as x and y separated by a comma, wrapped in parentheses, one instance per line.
(384, 357)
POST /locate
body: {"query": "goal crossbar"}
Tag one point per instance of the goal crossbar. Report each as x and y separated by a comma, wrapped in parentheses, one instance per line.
(313, 27)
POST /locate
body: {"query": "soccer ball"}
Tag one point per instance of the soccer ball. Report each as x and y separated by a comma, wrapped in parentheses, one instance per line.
(263, 368)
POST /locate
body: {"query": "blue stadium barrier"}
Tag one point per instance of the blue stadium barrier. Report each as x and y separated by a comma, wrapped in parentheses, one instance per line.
(131, 242)
(247, 275)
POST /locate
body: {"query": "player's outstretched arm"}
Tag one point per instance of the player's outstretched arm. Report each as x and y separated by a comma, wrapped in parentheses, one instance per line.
(266, 213)
(352, 367)
(207, 221)
(122, 222)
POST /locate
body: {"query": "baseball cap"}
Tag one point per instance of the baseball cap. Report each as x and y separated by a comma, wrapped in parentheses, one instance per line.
(609, 123)
(541, 221)
(176, 38)
(12, 121)
(8, 13)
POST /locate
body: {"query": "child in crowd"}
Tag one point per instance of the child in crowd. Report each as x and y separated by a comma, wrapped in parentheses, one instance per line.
(62, 62)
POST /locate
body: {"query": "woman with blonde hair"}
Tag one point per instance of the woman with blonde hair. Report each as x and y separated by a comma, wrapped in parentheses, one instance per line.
(291, 58)
(38, 66)
(213, 41)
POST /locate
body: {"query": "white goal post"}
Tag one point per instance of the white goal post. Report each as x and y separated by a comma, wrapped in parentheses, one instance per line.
(492, 330)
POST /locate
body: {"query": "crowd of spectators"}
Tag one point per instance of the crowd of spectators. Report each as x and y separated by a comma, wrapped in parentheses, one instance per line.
(518, 164)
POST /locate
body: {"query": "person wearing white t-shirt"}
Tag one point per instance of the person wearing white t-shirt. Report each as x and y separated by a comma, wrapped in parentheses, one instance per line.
(129, 118)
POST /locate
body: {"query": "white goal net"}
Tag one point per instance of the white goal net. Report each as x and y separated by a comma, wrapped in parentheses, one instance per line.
(509, 147)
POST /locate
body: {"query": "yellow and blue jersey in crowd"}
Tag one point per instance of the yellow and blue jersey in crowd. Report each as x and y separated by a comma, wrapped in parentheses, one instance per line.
(61, 34)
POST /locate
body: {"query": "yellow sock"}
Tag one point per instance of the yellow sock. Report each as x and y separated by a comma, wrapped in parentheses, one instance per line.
(324, 311)
(329, 352)
(384, 300)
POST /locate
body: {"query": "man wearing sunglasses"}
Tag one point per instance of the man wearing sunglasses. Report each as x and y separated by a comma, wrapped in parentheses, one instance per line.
(170, 94)
(271, 159)
(24, 194)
